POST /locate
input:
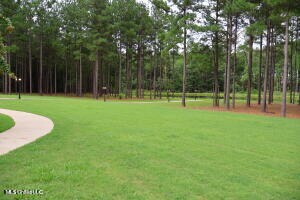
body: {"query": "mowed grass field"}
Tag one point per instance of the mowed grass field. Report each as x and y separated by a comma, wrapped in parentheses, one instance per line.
(153, 151)
(5, 122)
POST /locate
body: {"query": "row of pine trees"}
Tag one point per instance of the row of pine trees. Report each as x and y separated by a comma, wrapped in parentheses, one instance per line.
(136, 49)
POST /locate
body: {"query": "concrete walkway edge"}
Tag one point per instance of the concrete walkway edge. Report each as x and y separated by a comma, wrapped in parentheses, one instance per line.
(28, 128)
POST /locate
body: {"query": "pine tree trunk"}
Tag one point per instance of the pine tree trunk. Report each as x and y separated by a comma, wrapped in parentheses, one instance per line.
(101, 75)
(80, 74)
(41, 67)
(216, 63)
(154, 74)
(295, 69)
(260, 69)
(96, 68)
(128, 73)
(142, 72)
(50, 81)
(9, 64)
(264, 103)
(160, 76)
(17, 73)
(285, 70)
(139, 71)
(297, 84)
(66, 75)
(250, 63)
(5, 88)
(70, 82)
(150, 78)
(120, 71)
(46, 81)
(3, 82)
(296, 62)
(228, 71)
(291, 70)
(21, 72)
(76, 78)
(226, 65)
(272, 68)
(30, 65)
(235, 62)
(183, 103)
(106, 80)
(55, 80)
(25, 74)
(173, 70)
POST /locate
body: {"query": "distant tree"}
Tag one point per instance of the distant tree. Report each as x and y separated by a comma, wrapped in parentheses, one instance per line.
(186, 14)
(5, 28)
(98, 41)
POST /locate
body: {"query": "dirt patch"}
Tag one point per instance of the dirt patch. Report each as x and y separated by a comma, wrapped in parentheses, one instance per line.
(293, 111)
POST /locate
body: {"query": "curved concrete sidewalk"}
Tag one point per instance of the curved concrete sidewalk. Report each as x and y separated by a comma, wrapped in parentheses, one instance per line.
(28, 127)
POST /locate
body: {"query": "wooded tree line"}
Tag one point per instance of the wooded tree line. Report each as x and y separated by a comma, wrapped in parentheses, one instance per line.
(219, 46)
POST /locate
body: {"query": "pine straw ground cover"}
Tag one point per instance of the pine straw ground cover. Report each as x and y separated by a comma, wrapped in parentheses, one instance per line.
(274, 110)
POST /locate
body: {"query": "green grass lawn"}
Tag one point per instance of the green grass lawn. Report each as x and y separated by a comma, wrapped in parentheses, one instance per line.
(5, 122)
(153, 151)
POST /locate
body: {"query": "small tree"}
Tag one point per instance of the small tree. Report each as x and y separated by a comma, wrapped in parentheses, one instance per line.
(185, 14)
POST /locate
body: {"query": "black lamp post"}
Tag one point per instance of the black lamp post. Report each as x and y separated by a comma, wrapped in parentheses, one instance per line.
(19, 86)
(104, 89)
(168, 95)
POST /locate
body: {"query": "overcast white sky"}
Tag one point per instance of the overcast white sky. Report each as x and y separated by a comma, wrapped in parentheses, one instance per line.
(147, 2)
